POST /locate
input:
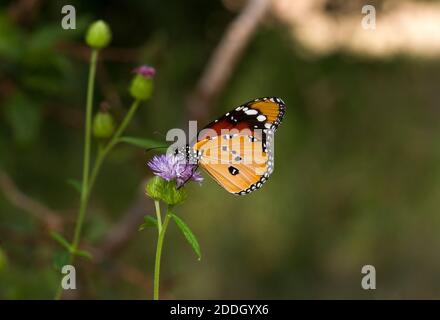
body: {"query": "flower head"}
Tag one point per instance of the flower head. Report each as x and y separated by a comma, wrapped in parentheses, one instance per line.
(174, 167)
(145, 71)
(141, 87)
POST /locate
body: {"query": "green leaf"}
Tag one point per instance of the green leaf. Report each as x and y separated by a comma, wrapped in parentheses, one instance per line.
(75, 184)
(150, 222)
(61, 240)
(84, 254)
(188, 235)
(140, 142)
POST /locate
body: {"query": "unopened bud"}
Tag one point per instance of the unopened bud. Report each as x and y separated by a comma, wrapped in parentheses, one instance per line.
(98, 35)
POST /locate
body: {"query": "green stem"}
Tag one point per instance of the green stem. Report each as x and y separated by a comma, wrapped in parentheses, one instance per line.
(87, 184)
(87, 147)
(102, 153)
(159, 254)
(159, 216)
(86, 160)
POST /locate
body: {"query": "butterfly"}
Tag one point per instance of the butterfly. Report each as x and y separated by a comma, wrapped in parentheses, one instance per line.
(237, 149)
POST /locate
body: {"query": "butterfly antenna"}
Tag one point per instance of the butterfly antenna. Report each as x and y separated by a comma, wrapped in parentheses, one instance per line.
(190, 177)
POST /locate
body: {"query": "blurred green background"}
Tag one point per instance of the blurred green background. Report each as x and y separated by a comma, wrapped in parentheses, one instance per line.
(357, 177)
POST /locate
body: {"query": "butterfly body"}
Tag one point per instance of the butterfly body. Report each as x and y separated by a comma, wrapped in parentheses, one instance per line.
(237, 149)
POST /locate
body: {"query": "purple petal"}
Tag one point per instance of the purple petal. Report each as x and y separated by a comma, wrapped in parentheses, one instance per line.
(171, 167)
(162, 167)
(145, 71)
(197, 177)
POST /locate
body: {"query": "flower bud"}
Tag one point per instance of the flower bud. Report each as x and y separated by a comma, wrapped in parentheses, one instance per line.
(154, 187)
(103, 125)
(141, 86)
(158, 188)
(98, 35)
(173, 196)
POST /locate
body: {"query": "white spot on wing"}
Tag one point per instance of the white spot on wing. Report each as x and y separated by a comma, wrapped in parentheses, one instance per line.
(251, 112)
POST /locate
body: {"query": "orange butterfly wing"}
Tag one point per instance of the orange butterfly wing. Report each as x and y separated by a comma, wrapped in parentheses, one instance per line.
(242, 161)
(236, 163)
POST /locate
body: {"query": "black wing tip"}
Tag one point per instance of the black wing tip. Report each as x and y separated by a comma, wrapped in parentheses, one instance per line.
(271, 98)
(282, 110)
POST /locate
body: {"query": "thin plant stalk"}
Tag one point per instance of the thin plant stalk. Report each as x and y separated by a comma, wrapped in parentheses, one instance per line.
(86, 160)
(88, 179)
(103, 152)
(87, 147)
(161, 237)
(158, 215)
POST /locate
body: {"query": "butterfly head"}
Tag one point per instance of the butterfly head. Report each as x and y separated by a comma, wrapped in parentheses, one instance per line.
(188, 153)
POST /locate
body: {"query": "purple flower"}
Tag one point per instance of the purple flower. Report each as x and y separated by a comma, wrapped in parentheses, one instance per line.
(174, 167)
(145, 71)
